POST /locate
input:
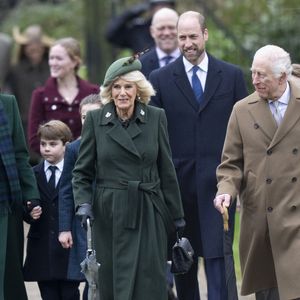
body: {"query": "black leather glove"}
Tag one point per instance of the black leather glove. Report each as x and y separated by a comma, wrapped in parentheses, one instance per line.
(33, 203)
(179, 225)
(84, 212)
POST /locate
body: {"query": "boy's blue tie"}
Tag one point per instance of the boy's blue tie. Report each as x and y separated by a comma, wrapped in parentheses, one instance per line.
(196, 85)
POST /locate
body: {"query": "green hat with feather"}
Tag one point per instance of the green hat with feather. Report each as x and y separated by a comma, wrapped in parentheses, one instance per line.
(120, 67)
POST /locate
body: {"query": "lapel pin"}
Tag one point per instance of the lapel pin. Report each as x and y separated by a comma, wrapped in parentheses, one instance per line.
(142, 112)
(108, 114)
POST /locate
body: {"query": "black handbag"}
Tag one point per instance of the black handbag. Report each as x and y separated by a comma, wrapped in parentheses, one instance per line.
(182, 256)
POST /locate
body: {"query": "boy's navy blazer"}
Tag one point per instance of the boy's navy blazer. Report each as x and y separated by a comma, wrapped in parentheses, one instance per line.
(46, 259)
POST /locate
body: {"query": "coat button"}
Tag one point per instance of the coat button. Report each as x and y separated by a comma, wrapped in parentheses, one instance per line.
(270, 209)
(268, 180)
(294, 179)
(295, 151)
(269, 152)
(294, 207)
(256, 126)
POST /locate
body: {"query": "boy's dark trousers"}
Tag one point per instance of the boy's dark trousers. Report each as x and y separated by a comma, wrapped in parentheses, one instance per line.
(59, 290)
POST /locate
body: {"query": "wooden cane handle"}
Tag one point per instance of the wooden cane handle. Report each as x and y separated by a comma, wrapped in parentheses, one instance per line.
(225, 218)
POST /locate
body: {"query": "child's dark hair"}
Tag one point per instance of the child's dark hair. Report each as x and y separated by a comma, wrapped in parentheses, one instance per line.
(55, 130)
(90, 99)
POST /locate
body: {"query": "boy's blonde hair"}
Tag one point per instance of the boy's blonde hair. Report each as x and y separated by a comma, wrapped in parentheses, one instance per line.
(55, 130)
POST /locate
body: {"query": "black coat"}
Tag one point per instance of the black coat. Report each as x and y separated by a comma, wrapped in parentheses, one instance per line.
(149, 62)
(45, 259)
(196, 137)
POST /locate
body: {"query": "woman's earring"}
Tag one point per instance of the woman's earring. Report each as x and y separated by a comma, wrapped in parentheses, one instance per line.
(139, 97)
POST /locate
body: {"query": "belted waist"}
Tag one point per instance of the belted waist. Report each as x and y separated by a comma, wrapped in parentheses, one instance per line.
(133, 204)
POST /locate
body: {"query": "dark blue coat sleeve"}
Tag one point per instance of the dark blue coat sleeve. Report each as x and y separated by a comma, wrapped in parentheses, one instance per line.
(66, 199)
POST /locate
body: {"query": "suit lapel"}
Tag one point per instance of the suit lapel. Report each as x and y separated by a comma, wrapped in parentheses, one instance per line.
(291, 117)
(182, 82)
(43, 184)
(262, 116)
(124, 137)
(213, 80)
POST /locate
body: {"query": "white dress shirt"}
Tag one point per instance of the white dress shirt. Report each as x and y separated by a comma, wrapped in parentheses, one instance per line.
(201, 73)
(161, 55)
(283, 102)
(58, 171)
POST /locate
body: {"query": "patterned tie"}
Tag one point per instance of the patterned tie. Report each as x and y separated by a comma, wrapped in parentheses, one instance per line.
(276, 113)
(51, 182)
(196, 85)
(167, 59)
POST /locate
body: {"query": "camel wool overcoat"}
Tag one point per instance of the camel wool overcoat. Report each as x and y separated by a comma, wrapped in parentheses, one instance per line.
(135, 202)
(261, 163)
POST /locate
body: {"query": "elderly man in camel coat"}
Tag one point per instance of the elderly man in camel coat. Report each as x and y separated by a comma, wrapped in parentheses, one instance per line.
(261, 164)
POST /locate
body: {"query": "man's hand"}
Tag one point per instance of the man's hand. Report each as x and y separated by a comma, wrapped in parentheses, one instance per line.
(84, 211)
(222, 200)
(65, 238)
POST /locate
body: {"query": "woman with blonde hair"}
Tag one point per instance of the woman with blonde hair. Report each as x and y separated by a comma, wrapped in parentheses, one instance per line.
(124, 180)
(60, 97)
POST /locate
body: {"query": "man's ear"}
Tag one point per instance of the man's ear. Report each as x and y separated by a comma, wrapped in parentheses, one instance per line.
(282, 78)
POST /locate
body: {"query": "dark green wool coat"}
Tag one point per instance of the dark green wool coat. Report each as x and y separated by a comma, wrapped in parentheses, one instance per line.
(11, 225)
(135, 203)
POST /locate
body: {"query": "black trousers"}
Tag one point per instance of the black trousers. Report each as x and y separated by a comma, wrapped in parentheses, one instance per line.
(59, 290)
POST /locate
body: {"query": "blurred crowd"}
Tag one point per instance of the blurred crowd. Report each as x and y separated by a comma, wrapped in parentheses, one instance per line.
(147, 175)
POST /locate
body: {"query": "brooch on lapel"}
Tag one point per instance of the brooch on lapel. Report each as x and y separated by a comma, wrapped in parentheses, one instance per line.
(142, 112)
(108, 114)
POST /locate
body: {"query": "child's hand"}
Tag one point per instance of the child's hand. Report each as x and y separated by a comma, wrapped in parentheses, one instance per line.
(36, 212)
(65, 238)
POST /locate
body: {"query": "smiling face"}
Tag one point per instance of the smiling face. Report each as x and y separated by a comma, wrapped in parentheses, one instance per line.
(60, 63)
(52, 150)
(266, 84)
(124, 94)
(191, 38)
(163, 30)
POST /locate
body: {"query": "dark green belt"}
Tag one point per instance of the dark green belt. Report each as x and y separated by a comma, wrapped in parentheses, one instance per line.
(133, 204)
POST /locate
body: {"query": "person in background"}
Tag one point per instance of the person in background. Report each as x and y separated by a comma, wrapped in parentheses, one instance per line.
(135, 202)
(197, 92)
(71, 234)
(60, 97)
(17, 187)
(131, 30)
(31, 67)
(5, 54)
(164, 32)
(46, 260)
(260, 163)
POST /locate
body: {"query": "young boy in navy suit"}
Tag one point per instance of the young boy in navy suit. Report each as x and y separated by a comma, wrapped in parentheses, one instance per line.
(71, 234)
(46, 260)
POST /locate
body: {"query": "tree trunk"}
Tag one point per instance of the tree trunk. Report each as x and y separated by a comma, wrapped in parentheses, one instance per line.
(98, 52)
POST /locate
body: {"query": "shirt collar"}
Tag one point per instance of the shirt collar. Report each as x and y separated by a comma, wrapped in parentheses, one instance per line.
(161, 54)
(59, 165)
(285, 97)
(203, 64)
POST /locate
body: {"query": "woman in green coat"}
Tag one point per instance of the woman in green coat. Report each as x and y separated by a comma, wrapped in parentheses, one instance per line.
(17, 187)
(136, 201)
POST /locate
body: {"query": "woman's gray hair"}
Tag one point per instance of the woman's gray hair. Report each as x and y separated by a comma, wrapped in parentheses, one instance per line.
(278, 58)
(144, 87)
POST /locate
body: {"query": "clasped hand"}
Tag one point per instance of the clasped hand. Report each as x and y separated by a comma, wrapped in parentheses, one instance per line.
(222, 200)
(84, 212)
